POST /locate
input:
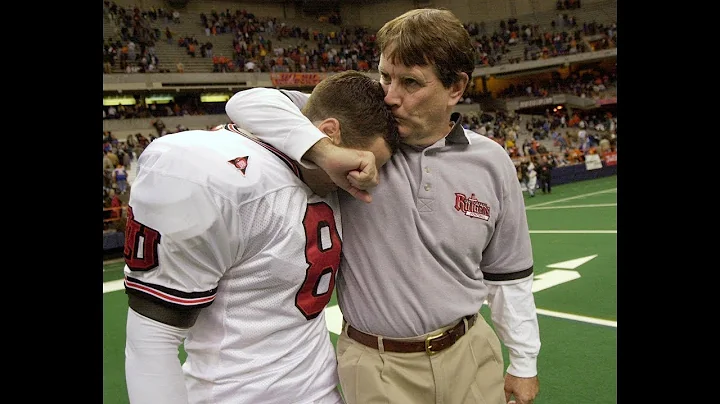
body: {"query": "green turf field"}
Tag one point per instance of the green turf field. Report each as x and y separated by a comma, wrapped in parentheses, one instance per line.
(574, 235)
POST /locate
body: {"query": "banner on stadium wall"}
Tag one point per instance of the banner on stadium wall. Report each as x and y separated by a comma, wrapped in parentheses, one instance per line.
(296, 79)
(610, 158)
(592, 161)
(535, 103)
(606, 101)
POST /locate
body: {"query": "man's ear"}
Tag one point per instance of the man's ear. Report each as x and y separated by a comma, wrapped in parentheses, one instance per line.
(331, 127)
(458, 89)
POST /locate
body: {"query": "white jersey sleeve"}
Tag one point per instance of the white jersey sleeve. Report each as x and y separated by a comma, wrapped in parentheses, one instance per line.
(181, 235)
(152, 367)
(514, 316)
(276, 119)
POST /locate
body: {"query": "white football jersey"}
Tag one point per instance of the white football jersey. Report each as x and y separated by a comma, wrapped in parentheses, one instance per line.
(220, 220)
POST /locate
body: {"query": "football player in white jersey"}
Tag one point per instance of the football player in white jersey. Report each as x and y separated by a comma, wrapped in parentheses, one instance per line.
(232, 249)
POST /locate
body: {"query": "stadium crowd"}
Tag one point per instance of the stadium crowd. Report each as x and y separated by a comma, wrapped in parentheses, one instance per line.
(347, 47)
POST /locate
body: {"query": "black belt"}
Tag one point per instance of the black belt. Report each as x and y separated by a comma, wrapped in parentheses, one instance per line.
(432, 344)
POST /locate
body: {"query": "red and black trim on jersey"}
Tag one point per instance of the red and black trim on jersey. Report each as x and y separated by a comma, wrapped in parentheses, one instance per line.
(508, 277)
(282, 156)
(169, 297)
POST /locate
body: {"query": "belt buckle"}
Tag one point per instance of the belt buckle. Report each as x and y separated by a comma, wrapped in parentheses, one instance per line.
(428, 343)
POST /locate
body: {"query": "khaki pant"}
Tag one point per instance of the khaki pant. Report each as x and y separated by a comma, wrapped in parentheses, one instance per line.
(469, 372)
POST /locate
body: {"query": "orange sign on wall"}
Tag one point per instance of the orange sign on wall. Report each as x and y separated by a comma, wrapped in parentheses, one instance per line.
(610, 158)
(296, 79)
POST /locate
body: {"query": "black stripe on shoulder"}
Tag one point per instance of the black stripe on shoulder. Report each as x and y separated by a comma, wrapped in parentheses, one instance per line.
(508, 277)
(287, 95)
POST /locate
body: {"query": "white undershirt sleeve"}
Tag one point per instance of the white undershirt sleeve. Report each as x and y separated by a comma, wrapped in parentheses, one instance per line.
(274, 118)
(514, 317)
(152, 368)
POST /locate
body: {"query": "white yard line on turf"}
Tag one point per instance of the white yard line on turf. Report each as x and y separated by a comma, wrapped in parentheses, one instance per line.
(536, 205)
(575, 317)
(573, 231)
(596, 205)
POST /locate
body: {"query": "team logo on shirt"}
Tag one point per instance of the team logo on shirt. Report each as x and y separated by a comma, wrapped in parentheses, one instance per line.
(472, 207)
(240, 163)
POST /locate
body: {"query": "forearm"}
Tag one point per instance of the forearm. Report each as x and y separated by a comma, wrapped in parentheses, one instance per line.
(276, 119)
(514, 316)
(152, 369)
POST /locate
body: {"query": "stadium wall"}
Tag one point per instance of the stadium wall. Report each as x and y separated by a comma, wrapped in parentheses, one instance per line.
(560, 175)
(123, 127)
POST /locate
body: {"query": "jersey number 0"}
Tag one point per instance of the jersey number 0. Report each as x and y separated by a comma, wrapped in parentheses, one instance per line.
(322, 253)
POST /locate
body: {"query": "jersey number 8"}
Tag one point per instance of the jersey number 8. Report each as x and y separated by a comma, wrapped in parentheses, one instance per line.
(322, 253)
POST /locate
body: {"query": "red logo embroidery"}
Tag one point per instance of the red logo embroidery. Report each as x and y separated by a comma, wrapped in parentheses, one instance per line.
(472, 207)
(240, 163)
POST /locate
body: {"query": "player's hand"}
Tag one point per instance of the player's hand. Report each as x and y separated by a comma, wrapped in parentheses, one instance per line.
(352, 170)
(523, 389)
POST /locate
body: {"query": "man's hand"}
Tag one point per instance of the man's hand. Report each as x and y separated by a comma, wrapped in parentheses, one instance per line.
(524, 389)
(352, 170)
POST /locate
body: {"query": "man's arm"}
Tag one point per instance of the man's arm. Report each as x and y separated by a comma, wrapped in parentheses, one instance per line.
(515, 318)
(513, 312)
(274, 117)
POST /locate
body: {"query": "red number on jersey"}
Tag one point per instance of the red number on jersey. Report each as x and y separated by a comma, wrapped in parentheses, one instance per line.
(322, 253)
(141, 244)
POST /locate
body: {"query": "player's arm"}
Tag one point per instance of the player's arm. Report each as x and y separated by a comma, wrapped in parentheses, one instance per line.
(178, 246)
(275, 117)
(152, 369)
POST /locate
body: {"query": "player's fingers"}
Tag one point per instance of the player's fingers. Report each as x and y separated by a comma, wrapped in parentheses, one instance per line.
(359, 194)
(366, 175)
(364, 180)
(361, 181)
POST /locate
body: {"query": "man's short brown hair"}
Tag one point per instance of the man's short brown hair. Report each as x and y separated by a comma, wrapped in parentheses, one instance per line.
(429, 36)
(357, 101)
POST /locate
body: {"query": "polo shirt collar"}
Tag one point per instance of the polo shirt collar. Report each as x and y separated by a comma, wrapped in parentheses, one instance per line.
(457, 133)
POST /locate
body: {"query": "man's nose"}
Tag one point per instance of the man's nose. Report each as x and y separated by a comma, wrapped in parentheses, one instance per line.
(392, 96)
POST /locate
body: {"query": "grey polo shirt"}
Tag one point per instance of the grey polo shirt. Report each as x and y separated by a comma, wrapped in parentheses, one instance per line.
(442, 219)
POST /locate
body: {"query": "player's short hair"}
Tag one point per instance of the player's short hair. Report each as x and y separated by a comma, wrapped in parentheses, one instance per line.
(429, 36)
(357, 101)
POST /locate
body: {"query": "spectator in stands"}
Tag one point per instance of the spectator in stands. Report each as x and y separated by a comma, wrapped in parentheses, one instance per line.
(120, 177)
(605, 144)
(112, 112)
(115, 204)
(108, 168)
(250, 66)
(168, 35)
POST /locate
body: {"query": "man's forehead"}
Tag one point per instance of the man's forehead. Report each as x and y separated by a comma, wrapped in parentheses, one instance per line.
(386, 66)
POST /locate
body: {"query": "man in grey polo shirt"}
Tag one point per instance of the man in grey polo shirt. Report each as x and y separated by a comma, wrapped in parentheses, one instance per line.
(445, 231)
